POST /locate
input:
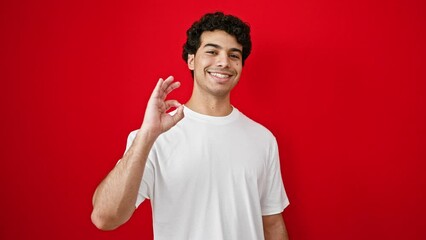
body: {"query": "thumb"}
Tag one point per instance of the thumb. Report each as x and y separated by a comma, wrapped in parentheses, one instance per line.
(178, 115)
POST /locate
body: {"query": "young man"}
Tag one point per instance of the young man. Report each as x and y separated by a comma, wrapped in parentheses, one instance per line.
(213, 174)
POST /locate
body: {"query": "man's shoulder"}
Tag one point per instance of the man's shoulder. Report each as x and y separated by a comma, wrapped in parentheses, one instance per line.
(255, 126)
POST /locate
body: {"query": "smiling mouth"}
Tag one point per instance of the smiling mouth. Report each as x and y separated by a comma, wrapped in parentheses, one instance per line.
(219, 75)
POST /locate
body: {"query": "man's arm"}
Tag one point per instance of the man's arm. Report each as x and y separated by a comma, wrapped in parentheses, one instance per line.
(274, 227)
(115, 197)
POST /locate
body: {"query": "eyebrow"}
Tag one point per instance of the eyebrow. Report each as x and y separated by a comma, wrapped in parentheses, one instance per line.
(219, 47)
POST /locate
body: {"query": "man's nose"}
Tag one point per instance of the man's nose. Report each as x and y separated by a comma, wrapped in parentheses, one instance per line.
(222, 60)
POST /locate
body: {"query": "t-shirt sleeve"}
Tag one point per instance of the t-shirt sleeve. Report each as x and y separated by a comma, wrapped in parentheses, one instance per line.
(147, 183)
(273, 196)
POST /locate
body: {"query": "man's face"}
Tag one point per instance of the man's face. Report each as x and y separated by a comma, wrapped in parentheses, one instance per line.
(217, 64)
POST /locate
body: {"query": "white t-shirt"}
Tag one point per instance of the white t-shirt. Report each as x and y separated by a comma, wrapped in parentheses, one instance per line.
(212, 178)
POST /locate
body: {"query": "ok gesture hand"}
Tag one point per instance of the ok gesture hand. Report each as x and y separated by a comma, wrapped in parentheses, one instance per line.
(156, 119)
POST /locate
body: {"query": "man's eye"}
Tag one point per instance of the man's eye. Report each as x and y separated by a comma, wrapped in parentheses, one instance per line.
(211, 52)
(235, 56)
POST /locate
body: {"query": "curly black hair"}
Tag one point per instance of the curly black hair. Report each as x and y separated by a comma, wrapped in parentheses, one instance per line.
(217, 21)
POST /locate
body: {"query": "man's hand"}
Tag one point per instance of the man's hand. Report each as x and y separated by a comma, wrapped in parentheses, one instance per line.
(156, 119)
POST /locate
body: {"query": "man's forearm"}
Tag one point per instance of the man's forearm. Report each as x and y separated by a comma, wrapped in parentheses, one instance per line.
(274, 228)
(114, 199)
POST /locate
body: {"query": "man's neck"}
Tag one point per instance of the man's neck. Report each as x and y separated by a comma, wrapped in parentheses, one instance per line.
(210, 106)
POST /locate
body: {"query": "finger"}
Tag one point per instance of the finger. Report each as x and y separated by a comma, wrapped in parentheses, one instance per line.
(172, 103)
(172, 87)
(166, 83)
(162, 92)
(157, 90)
(178, 115)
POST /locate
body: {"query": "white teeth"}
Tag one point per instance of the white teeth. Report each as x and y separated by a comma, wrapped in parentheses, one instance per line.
(219, 75)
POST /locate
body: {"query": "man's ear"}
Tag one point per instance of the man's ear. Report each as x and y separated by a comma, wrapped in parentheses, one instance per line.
(191, 61)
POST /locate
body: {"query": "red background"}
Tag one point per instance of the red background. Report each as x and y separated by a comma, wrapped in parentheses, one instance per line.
(340, 83)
